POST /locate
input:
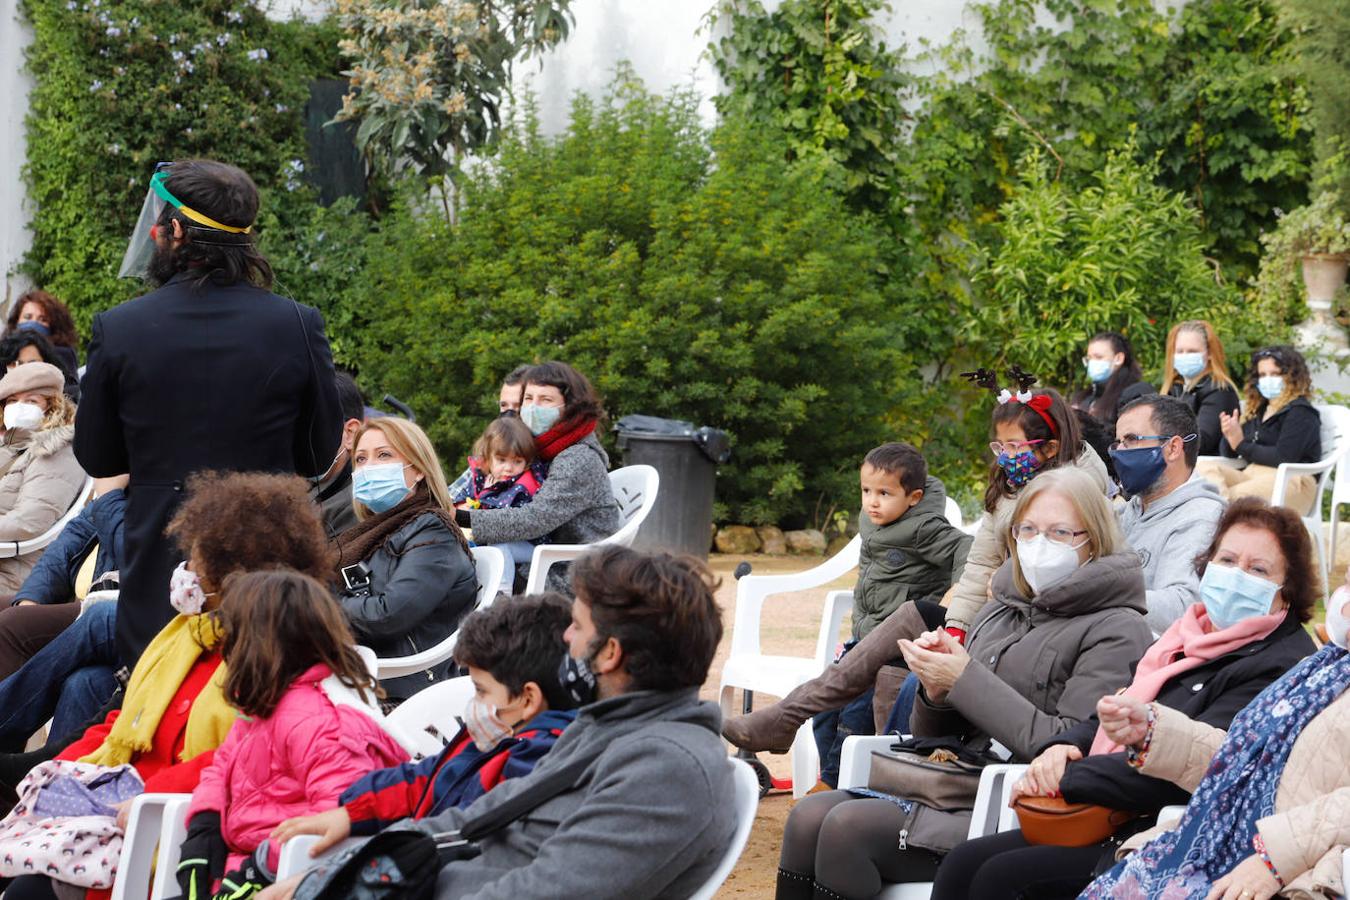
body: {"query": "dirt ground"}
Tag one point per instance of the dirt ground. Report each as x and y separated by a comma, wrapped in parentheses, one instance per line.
(789, 627)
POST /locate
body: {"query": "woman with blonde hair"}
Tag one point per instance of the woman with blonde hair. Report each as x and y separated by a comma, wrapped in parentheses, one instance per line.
(1065, 625)
(1279, 425)
(39, 475)
(1195, 371)
(405, 575)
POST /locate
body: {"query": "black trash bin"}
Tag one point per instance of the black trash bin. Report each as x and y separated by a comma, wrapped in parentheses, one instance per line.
(686, 458)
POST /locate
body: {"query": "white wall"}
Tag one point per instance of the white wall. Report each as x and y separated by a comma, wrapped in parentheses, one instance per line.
(14, 85)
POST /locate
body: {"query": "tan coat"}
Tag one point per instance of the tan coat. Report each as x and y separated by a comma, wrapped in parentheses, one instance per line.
(1310, 827)
(989, 549)
(41, 482)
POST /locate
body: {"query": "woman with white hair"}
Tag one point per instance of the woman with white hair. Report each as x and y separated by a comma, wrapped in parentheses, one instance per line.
(1065, 625)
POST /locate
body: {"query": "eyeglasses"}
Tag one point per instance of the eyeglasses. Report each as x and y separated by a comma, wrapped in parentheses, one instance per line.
(1012, 448)
(1131, 441)
(1059, 534)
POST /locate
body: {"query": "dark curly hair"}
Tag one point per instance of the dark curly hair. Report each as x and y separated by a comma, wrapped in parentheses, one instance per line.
(659, 607)
(519, 640)
(1300, 588)
(247, 521)
(1297, 380)
(59, 321)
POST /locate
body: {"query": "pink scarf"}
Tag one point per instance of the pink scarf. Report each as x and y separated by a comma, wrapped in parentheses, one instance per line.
(1184, 646)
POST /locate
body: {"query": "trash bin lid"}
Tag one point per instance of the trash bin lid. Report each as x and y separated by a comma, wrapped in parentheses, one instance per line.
(715, 444)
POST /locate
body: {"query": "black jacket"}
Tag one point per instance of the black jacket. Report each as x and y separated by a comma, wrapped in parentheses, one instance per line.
(1207, 400)
(1293, 434)
(1087, 398)
(1211, 693)
(184, 379)
(421, 584)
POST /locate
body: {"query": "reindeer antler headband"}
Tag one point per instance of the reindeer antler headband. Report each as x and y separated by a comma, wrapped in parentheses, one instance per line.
(1037, 403)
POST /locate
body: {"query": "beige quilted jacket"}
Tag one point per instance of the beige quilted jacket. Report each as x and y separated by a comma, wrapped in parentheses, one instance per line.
(989, 549)
(1310, 828)
(41, 479)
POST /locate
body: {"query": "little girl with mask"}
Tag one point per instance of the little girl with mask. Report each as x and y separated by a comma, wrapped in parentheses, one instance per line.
(293, 749)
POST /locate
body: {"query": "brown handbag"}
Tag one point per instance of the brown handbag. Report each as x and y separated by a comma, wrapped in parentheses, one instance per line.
(938, 779)
(1055, 821)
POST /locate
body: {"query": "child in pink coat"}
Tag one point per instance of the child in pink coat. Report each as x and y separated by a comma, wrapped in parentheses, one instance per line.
(293, 750)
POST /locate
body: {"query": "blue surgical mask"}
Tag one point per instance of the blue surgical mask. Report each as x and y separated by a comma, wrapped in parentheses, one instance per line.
(1231, 595)
(380, 487)
(35, 325)
(1270, 386)
(1139, 468)
(1188, 365)
(539, 418)
(1098, 370)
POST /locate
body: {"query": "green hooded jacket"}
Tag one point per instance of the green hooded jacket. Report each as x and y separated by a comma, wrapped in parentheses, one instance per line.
(916, 557)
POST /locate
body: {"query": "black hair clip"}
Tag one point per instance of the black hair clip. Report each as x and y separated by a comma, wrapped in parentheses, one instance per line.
(985, 378)
(1023, 379)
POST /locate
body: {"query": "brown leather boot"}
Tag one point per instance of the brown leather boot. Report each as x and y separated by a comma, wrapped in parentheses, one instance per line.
(774, 727)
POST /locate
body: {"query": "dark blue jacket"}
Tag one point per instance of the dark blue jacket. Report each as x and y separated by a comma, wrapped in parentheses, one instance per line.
(53, 578)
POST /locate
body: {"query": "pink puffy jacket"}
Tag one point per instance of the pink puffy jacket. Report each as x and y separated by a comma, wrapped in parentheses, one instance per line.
(296, 762)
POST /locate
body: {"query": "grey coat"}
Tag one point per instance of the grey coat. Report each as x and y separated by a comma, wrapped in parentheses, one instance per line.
(1038, 667)
(421, 584)
(1168, 537)
(575, 505)
(650, 817)
(916, 557)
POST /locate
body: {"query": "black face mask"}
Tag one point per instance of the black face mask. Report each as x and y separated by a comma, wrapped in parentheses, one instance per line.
(509, 414)
(577, 679)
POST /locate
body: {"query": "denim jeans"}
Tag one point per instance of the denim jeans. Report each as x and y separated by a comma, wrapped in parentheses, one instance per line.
(831, 728)
(898, 723)
(36, 692)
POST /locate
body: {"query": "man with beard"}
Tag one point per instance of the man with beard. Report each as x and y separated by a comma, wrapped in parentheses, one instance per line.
(209, 371)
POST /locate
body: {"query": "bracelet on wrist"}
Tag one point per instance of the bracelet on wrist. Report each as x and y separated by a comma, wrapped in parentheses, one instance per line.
(1135, 755)
(1259, 845)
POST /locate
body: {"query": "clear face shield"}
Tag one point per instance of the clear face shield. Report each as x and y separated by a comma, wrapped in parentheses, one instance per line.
(141, 247)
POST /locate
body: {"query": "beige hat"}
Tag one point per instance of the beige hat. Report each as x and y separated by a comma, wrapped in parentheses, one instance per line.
(42, 377)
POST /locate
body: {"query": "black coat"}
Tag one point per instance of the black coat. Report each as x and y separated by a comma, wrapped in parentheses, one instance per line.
(1212, 693)
(421, 584)
(184, 379)
(1207, 400)
(1292, 435)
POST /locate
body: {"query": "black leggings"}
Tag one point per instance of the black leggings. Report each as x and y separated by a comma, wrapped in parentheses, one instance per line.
(1005, 867)
(849, 845)
(30, 887)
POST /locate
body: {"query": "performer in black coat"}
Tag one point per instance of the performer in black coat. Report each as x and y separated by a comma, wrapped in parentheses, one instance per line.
(209, 371)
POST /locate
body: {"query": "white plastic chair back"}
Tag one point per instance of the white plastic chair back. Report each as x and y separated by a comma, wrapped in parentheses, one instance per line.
(11, 549)
(430, 718)
(489, 563)
(635, 489)
(1335, 434)
(747, 802)
(953, 513)
(155, 828)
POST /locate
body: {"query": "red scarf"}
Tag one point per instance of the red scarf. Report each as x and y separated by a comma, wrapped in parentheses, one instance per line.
(561, 436)
(1190, 641)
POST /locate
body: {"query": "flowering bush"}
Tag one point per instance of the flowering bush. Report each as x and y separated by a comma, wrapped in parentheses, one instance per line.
(429, 76)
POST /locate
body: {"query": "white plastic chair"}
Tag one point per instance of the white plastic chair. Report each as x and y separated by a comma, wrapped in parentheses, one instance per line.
(747, 802)
(750, 669)
(991, 815)
(1335, 449)
(1170, 815)
(489, 563)
(11, 549)
(435, 708)
(155, 828)
(635, 489)
(953, 513)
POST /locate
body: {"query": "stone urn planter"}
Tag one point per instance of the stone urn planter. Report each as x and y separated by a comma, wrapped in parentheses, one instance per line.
(1324, 275)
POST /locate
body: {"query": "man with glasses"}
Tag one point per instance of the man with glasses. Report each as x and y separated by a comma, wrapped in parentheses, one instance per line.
(1171, 515)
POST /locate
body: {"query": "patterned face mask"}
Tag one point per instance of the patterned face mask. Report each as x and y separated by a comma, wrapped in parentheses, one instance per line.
(1019, 467)
(185, 591)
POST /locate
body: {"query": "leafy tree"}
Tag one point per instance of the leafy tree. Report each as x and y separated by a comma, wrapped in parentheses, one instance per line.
(1323, 30)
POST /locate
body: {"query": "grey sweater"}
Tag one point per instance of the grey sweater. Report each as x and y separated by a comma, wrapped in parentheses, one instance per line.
(650, 817)
(1168, 537)
(575, 505)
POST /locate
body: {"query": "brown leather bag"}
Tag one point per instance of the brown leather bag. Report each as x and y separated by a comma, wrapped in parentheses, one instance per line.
(1055, 821)
(938, 779)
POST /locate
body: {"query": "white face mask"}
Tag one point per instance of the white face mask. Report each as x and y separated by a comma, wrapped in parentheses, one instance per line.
(1338, 624)
(1046, 563)
(23, 416)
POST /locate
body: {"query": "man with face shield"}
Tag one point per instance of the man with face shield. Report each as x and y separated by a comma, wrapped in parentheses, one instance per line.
(208, 371)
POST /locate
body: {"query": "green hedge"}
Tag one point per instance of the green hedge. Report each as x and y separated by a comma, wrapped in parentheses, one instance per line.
(689, 275)
(123, 84)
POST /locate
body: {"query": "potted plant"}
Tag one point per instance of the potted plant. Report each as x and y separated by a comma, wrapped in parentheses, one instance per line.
(1319, 235)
